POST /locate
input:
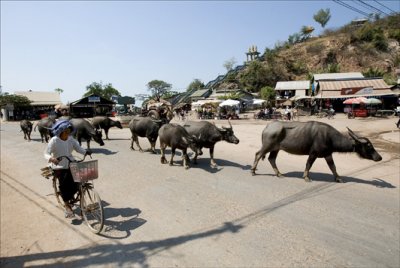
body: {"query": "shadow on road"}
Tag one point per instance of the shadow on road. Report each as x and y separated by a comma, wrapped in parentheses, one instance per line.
(102, 151)
(119, 222)
(118, 255)
(327, 177)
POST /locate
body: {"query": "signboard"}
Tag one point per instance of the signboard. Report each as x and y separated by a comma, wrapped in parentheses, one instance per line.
(94, 99)
(357, 90)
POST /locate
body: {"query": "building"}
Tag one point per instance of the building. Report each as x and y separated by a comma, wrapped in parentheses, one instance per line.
(91, 106)
(42, 105)
(288, 89)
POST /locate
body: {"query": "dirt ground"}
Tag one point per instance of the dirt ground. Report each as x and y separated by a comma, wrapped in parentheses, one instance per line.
(163, 216)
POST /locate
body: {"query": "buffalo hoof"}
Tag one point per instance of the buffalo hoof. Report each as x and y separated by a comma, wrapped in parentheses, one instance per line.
(186, 167)
(253, 173)
(307, 179)
(164, 161)
(339, 180)
(171, 164)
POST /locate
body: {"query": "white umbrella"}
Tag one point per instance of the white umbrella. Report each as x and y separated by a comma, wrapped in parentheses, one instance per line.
(258, 101)
(229, 102)
(373, 101)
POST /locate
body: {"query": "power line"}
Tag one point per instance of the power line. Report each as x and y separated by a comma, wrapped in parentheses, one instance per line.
(359, 3)
(372, 7)
(351, 7)
(384, 6)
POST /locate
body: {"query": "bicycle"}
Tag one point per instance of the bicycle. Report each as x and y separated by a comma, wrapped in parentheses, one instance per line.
(89, 200)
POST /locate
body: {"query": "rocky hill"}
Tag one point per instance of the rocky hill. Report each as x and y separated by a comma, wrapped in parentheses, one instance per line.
(372, 48)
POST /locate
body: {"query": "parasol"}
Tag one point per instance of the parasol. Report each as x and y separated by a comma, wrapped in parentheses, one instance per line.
(229, 102)
(356, 100)
(373, 101)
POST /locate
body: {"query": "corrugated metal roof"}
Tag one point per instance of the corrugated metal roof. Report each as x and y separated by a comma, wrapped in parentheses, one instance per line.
(292, 85)
(338, 85)
(333, 89)
(318, 77)
(336, 94)
(41, 97)
(199, 93)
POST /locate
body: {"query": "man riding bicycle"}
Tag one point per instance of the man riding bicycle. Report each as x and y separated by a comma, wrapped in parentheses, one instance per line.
(62, 144)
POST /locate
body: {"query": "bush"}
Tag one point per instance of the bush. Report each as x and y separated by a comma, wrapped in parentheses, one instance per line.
(394, 34)
(315, 48)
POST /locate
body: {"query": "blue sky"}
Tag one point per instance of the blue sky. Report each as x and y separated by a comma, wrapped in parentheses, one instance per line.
(70, 44)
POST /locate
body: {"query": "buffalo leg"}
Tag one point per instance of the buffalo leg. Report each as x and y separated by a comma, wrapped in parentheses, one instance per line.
(195, 158)
(185, 159)
(132, 141)
(331, 164)
(106, 132)
(138, 145)
(213, 164)
(153, 147)
(260, 154)
(272, 160)
(171, 162)
(88, 143)
(162, 149)
(310, 162)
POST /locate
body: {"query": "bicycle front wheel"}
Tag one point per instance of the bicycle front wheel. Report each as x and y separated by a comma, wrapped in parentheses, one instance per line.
(92, 209)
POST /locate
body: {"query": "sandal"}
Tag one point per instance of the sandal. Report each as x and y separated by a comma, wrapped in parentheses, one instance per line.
(68, 214)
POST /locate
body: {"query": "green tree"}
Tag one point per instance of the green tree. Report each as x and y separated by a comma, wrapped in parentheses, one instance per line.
(59, 90)
(254, 77)
(322, 16)
(196, 84)
(306, 32)
(16, 100)
(268, 93)
(229, 64)
(158, 88)
(104, 91)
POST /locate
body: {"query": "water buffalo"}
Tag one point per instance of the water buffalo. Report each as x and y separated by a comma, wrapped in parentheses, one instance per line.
(176, 137)
(208, 134)
(103, 122)
(44, 126)
(26, 127)
(314, 139)
(144, 127)
(83, 129)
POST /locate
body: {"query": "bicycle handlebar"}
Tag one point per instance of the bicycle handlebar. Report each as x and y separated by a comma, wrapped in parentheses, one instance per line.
(69, 159)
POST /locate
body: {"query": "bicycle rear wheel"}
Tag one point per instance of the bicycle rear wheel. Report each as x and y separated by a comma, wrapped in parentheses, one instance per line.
(92, 209)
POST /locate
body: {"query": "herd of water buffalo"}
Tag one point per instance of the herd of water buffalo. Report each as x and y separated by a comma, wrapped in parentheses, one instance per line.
(315, 139)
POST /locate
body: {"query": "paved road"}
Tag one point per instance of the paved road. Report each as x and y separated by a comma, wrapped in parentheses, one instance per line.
(162, 216)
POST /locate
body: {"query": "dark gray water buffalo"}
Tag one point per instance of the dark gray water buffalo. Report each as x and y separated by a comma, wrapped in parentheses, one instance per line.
(144, 127)
(26, 128)
(314, 139)
(103, 122)
(83, 129)
(44, 126)
(208, 135)
(176, 137)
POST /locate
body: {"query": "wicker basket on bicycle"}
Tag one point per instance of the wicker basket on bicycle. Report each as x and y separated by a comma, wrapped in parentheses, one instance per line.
(84, 171)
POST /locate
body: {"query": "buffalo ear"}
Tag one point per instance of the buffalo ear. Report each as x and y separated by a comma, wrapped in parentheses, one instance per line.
(353, 135)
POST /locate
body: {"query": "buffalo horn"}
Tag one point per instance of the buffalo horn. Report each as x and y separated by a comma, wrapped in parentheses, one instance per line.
(353, 135)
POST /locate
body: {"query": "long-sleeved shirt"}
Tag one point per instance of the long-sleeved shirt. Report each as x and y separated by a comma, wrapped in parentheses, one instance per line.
(57, 147)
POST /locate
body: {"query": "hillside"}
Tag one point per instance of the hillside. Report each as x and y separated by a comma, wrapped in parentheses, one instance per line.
(373, 49)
